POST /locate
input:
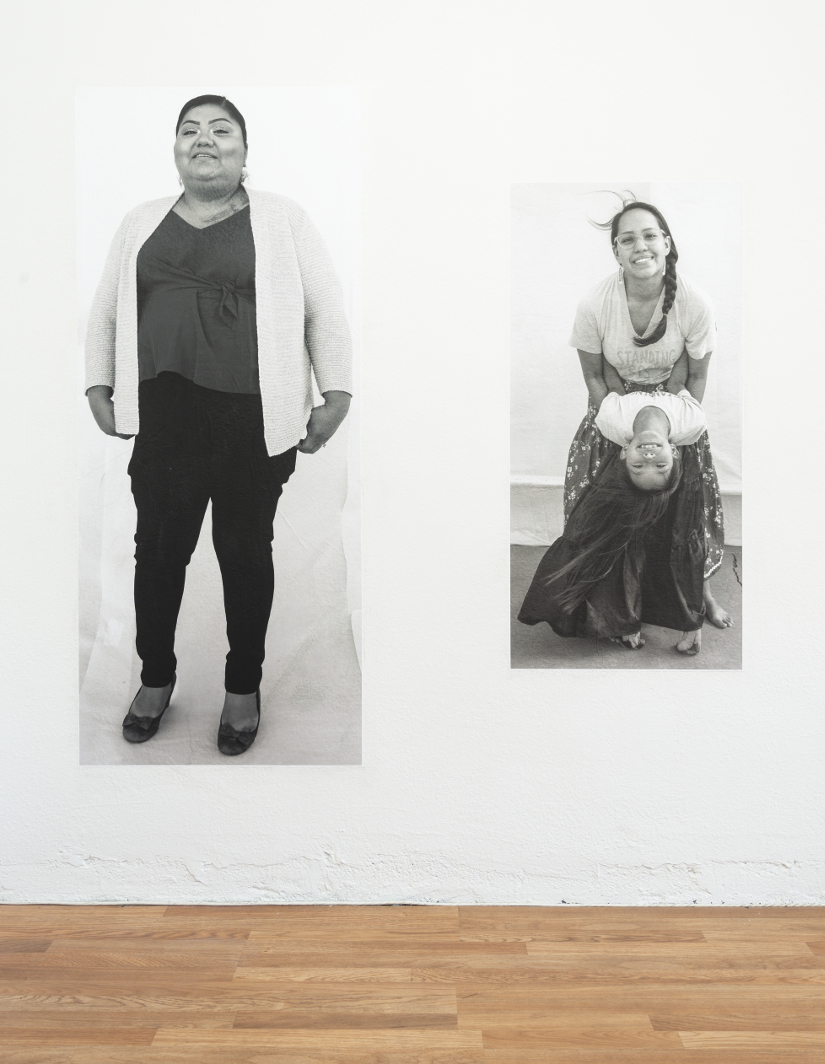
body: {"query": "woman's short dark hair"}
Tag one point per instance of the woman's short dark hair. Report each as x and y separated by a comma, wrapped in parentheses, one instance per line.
(219, 101)
(610, 516)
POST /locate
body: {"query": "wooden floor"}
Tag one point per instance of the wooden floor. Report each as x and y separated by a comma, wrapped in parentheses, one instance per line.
(410, 984)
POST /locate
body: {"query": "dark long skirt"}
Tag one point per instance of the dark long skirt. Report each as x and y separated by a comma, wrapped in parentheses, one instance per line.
(589, 450)
(658, 580)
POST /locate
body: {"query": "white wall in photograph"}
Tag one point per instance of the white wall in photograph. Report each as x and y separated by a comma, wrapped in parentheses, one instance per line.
(479, 784)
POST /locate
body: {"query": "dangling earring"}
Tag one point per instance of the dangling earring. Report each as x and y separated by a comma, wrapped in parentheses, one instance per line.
(180, 181)
(244, 174)
(621, 274)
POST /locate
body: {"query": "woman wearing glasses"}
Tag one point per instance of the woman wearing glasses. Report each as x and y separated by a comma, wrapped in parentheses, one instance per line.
(630, 332)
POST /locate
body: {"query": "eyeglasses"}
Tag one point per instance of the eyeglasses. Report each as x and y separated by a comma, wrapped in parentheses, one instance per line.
(650, 236)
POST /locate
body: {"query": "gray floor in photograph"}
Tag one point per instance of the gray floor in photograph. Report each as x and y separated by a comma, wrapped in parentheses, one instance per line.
(538, 647)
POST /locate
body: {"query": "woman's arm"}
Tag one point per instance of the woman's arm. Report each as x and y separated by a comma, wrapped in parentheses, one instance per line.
(102, 325)
(593, 376)
(326, 330)
(103, 409)
(697, 376)
(324, 421)
(613, 382)
(678, 374)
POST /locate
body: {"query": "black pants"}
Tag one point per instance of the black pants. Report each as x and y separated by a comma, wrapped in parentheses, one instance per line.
(194, 445)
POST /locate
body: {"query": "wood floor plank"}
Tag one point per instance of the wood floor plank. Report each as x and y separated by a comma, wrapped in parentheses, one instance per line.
(788, 1041)
(472, 998)
(307, 936)
(16, 919)
(76, 1036)
(332, 916)
(352, 957)
(330, 946)
(239, 1055)
(318, 1019)
(23, 945)
(742, 1018)
(83, 1016)
(170, 995)
(127, 958)
(597, 935)
(669, 912)
(118, 975)
(574, 963)
(548, 1017)
(605, 1038)
(680, 1055)
(130, 939)
(694, 948)
(395, 1040)
(540, 975)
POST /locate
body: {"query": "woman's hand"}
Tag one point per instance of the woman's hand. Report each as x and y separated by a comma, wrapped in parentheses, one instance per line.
(103, 409)
(697, 376)
(678, 374)
(324, 420)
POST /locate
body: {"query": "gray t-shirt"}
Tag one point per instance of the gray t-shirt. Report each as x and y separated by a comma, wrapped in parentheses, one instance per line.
(603, 326)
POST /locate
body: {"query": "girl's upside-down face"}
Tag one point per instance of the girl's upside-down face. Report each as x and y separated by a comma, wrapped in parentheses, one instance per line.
(648, 459)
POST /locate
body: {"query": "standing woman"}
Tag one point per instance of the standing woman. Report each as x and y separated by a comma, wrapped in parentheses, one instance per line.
(634, 327)
(214, 310)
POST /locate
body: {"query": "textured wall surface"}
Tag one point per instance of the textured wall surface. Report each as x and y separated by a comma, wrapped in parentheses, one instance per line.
(478, 784)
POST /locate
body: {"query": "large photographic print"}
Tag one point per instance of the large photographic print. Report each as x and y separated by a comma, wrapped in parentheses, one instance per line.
(218, 293)
(626, 317)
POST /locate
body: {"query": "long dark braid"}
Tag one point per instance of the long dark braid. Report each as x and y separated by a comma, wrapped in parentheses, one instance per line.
(670, 296)
(671, 282)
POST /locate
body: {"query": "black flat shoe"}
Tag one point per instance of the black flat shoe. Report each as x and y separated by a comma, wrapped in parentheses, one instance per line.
(138, 729)
(233, 742)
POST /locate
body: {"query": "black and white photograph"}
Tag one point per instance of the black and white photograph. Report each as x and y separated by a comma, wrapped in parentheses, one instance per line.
(626, 544)
(218, 274)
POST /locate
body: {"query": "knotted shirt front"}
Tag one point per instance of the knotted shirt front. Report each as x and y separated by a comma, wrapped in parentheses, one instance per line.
(196, 304)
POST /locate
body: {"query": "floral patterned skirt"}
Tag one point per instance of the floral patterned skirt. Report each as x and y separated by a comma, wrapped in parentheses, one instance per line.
(589, 450)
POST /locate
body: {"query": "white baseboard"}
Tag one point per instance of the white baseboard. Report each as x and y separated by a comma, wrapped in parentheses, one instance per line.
(536, 516)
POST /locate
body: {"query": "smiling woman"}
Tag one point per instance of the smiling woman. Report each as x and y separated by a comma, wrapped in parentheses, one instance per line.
(644, 530)
(215, 311)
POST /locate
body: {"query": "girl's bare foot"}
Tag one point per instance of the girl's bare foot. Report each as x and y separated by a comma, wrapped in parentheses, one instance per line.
(634, 641)
(691, 643)
(713, 611)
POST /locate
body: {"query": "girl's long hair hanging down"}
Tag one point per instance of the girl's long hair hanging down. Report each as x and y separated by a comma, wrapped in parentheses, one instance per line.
(609, 515)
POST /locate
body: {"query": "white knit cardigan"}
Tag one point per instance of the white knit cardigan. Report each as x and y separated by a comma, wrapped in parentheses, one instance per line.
(299, 311)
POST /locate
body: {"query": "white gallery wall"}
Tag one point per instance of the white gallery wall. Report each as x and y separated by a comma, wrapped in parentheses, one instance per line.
(478, 784)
